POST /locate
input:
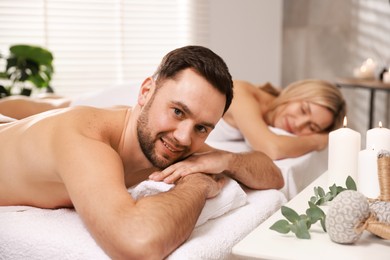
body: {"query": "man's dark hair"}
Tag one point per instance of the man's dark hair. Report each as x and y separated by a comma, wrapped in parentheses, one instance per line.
(204, 61)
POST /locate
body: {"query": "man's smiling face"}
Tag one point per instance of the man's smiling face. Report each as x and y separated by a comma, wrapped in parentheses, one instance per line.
(177, 117)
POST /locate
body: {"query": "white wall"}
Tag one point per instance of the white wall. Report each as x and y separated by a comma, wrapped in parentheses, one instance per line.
(315, 46)
(247, 34)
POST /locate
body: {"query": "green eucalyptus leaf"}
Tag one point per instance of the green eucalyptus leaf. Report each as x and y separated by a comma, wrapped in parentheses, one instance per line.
(315, 214)
(322, 221)
(321, 201)
(316, 191)
(350, 183)
(290, 214)
(340, 189)
(328, 197)
(333, 190)
(281, 226)
(293, 228)
(321, 192)
(312, 205)
(301, 230)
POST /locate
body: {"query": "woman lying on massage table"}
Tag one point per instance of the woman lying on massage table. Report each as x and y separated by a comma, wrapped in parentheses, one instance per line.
(308, 109)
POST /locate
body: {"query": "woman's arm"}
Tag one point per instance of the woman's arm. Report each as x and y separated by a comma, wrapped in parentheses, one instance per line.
(19, 107)
(246, 112)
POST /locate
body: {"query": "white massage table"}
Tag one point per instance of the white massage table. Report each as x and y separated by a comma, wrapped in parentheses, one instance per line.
(33, 233)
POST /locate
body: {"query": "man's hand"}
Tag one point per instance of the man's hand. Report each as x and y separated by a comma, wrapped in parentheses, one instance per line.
(213, 183)
(213, 162)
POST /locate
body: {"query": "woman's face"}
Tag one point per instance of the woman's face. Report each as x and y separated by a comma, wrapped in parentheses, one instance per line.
(302, 118)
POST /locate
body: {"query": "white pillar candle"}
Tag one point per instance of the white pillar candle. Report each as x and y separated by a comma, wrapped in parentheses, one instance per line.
(378, 138)
(368, 182)
(343, 151)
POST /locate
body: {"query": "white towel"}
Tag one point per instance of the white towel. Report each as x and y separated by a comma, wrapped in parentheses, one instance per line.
(231, 197)
(215, 239)
(33, 233)
(46, 234)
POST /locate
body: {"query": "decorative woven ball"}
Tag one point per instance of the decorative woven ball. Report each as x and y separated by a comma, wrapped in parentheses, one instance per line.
(381, 210)
(346, 211)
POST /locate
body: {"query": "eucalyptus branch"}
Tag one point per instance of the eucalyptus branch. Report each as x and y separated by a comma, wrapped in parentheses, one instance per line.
(300, 224)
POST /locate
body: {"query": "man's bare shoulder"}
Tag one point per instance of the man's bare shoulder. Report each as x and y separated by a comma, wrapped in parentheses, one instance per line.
(89, 122)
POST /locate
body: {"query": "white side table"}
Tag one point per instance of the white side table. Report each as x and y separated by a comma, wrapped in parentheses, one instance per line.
(263, 243)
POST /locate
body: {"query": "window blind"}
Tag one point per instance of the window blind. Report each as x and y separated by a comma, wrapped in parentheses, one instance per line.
(99, 43)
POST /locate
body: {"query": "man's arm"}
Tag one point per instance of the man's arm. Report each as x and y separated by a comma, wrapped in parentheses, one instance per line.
(149, 228)
(253, 169)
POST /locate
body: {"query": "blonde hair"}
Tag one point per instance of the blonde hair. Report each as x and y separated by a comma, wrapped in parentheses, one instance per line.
(319, 92)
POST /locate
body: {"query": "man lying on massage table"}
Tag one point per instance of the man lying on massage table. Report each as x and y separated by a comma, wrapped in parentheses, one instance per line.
(85, 158)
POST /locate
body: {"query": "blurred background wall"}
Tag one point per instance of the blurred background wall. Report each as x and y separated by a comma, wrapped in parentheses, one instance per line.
(328, 39)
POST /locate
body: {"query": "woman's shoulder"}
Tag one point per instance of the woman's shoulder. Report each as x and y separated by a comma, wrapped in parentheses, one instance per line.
(241, 86)
(265, 89)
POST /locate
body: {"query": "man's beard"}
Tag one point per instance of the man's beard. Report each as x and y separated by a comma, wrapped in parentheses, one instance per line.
(147, 142)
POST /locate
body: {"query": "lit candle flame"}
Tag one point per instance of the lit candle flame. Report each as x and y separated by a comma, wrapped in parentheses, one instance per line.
(380, 124)
(369, 61)
(345, 121)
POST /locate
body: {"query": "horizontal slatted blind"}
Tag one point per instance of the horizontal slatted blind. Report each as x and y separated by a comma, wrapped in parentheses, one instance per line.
(98, 43)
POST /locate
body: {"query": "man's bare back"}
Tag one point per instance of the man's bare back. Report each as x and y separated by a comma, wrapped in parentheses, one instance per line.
(23, 181)
(87, 157)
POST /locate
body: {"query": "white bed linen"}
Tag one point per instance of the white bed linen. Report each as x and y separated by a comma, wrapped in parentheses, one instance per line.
(297, 172)
(32, 233)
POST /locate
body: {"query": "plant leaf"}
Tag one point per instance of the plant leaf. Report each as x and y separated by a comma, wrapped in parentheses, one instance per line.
(315, 213)
(333, 190)
(316, 191)
(290, 214)
(281, 226)
(321, 192)
(36, 53)
(350, 183)
(321, 201)
(328, 197)
(323, 223)
(301, 230)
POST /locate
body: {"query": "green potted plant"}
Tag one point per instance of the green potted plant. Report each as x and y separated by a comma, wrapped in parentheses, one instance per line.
(26, 63)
